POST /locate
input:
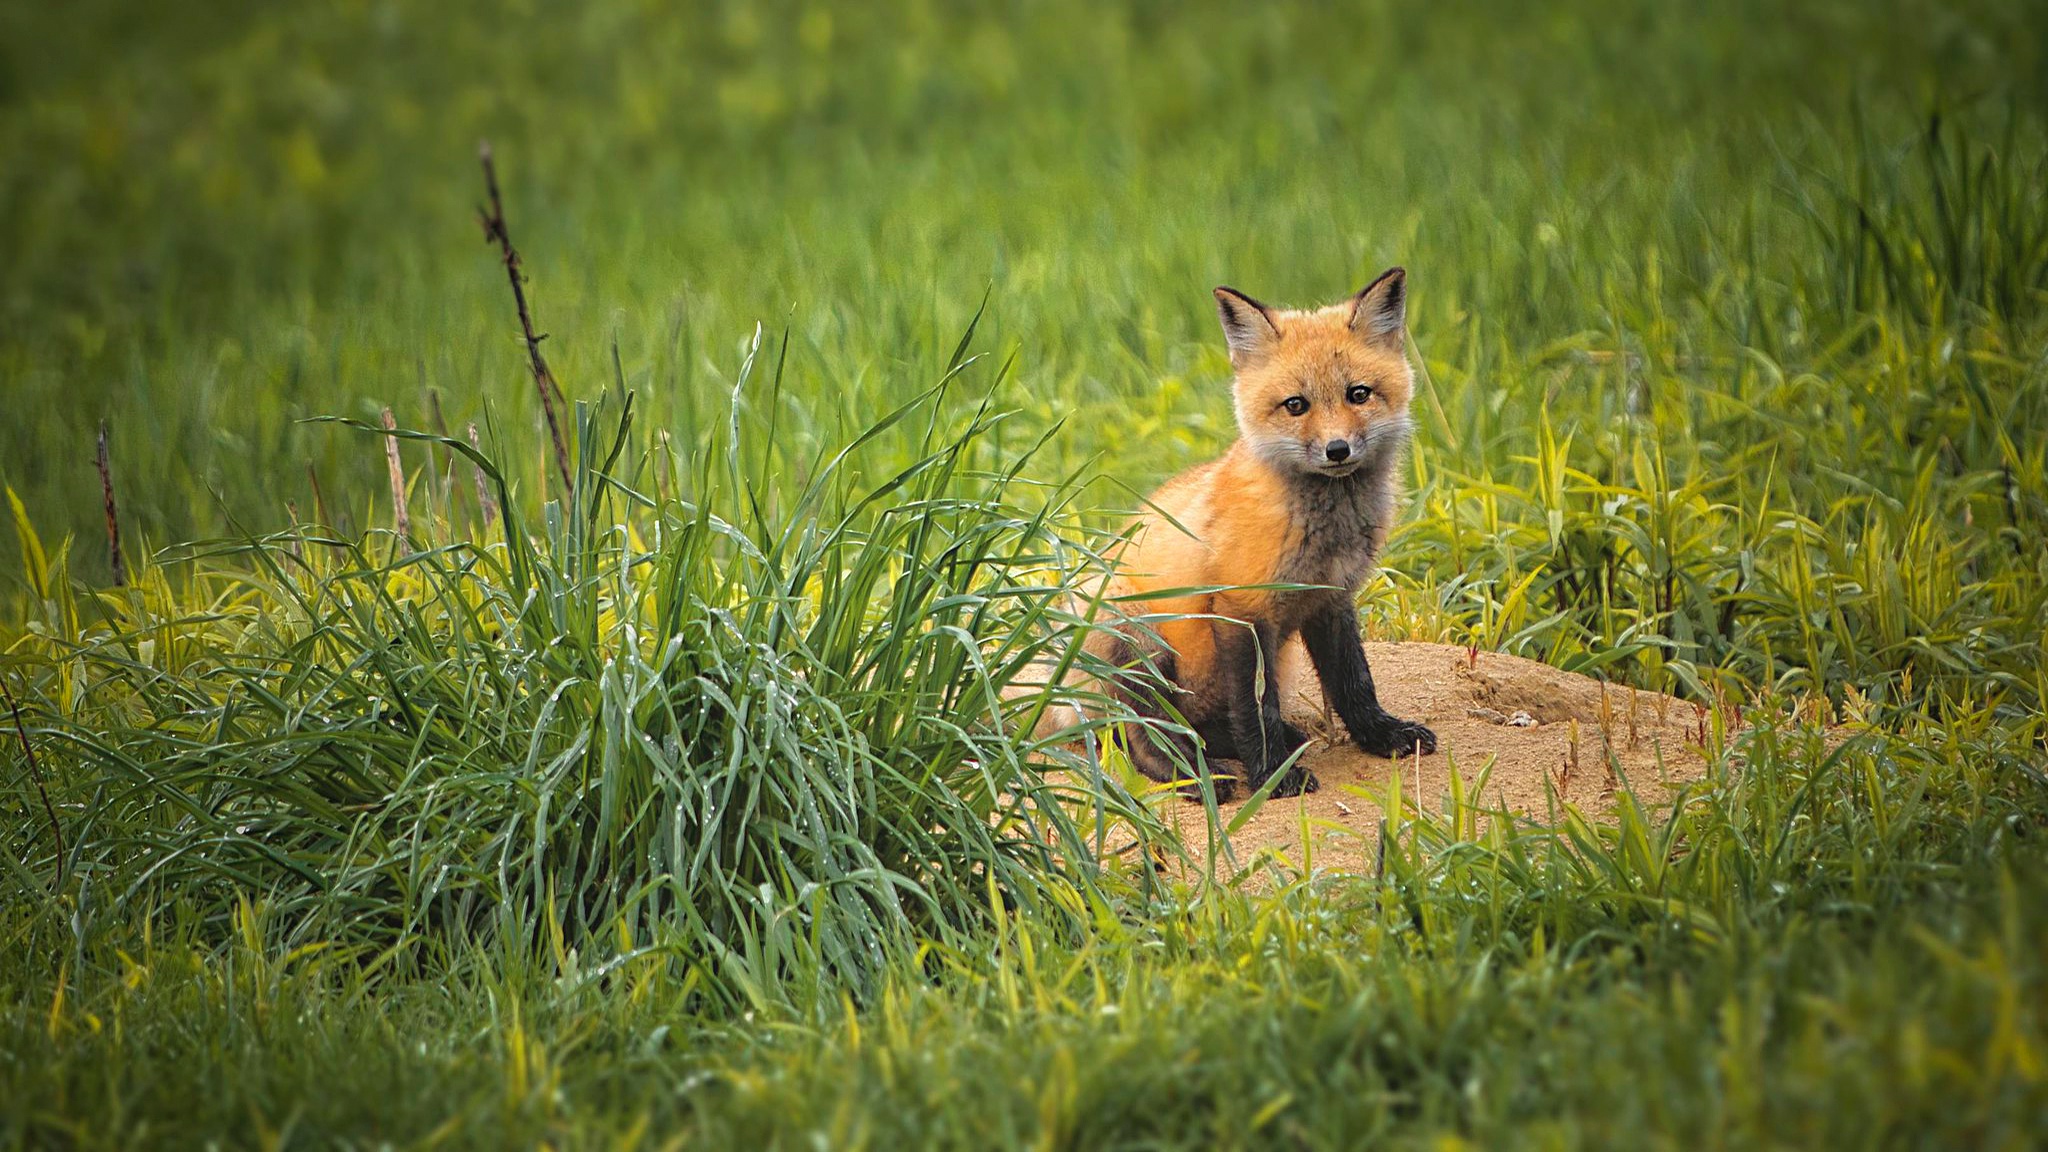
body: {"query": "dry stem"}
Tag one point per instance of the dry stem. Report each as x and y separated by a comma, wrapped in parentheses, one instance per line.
(401, 518)
(543, 380)
(113, 518)
(483, 492)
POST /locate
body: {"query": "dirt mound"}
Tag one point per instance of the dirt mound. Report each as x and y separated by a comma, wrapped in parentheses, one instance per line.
(1527, 721)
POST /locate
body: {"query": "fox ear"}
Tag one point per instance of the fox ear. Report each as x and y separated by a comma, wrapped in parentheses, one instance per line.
(1247, 326)
(1379, 313)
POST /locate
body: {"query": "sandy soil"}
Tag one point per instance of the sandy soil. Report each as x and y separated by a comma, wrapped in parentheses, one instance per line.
(1525, 720)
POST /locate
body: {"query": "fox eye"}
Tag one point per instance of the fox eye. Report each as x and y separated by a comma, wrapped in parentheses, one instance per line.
(1295, 405)
(1358, 393)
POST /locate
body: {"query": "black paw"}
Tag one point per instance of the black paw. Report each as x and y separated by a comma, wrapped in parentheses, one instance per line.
(1393, 736)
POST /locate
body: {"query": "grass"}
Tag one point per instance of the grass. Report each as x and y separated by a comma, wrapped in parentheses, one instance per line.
(1837, 961)
(683, 803)
(770, 735)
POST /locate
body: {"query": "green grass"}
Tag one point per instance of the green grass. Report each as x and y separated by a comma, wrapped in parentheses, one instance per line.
(1846, 953)
(682, 804)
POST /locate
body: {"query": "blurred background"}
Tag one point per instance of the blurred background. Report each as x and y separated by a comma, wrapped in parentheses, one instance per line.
(1708, 254)
(218, 218)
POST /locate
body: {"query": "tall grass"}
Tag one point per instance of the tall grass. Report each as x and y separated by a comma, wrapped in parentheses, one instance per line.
(1812, 484)
(758, 726)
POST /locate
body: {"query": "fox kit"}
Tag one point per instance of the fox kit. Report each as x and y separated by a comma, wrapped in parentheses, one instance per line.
(1304, 497)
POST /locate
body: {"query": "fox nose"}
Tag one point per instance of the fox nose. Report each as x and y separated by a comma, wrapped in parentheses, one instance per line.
(1337, 450)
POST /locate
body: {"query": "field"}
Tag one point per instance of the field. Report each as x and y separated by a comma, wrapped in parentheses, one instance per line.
(408, 781)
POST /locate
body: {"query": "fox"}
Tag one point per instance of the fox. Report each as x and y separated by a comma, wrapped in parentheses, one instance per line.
(1302, 500)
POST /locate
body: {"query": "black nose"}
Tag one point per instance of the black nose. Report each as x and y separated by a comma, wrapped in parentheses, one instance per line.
(1337, 450)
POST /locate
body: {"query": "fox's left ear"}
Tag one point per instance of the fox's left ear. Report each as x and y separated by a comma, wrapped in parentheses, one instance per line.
(1379, 313)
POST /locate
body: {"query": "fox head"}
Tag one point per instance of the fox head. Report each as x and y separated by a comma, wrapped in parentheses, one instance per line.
(1322, 392)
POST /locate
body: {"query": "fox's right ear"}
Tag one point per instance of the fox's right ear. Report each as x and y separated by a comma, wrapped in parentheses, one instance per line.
(1247, 327)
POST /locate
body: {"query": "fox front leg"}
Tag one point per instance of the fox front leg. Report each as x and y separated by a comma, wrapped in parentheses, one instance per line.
(1263, 740)
(1334, 647)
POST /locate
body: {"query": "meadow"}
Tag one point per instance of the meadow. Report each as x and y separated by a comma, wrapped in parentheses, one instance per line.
(408, 784)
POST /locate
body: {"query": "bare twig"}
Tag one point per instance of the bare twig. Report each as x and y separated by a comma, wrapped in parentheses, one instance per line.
(35, 773)
(543, 380)
(401, 519)
(113, 517)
